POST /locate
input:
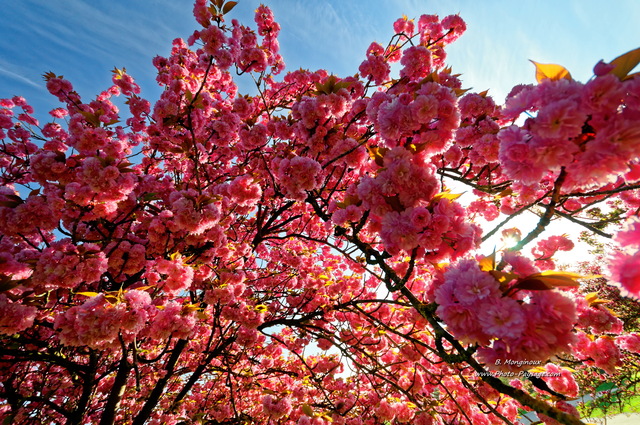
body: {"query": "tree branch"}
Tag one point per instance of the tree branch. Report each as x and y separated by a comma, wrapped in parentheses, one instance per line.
(155, 395)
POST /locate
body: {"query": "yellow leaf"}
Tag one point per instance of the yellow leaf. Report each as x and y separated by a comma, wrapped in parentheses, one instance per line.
(502, 277)
(307, 410)
(377, 154)
(112, 299)
(118, 73)
(142, 288)
(537, 369)
(593, 300)
(630, 76)
(261, 308)
(349, 200)
(189, 308)
(488, 263)
(571, 275)
(447, 195)
(550, 71)
(549, 279)
(87, 294)
(440, 266)
(507, 192)
(323, 277)
(460, 92)
(625, 63)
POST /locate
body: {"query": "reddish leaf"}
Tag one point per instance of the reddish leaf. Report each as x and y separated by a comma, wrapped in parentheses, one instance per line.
(228, 6)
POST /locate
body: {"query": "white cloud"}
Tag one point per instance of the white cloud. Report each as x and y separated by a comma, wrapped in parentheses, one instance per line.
(20, 78)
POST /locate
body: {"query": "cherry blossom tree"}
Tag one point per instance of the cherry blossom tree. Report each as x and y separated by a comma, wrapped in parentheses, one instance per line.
(299, 255)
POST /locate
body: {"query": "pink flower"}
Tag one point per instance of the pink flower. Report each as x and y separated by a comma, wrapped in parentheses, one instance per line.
(385, 411)
(629, 236)
(546, 249)
(398, 233)
(561, 380)
(173, 320)
(603, 94)
(15, 317)
(376, 68)
(462, 322)
(404, 25)
(403, 412)
(96, 323)
(455, 25)
(252, 60)
(424, 108)
(565, 407)
(606, 354)
(629, 342)
(276, 408)
(624, 265)
(470, 284)
(416, 61)
(502, 317)
(245, 190)
(517, 156)
(560, 120)
(298, 175)
(178, 276)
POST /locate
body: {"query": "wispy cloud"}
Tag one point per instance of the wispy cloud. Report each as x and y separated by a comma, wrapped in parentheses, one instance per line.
(20, 78)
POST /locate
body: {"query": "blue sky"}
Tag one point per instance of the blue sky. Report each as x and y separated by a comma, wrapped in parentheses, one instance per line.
(83, 40)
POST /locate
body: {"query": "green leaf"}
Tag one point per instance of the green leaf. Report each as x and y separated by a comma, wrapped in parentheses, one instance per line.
(625, 63)
(151, 196)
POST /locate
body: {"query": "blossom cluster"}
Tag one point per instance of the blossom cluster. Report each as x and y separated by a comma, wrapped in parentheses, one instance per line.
(513, 324)
(584, 129)
(624, 262)
(175, 262)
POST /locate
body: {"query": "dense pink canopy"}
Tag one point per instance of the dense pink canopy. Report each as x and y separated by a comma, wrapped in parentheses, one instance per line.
(298, 256)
